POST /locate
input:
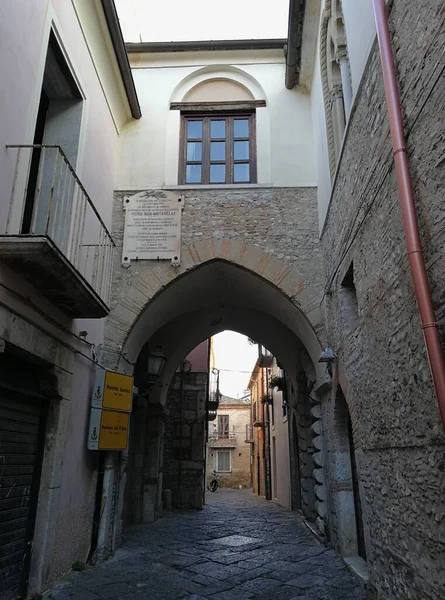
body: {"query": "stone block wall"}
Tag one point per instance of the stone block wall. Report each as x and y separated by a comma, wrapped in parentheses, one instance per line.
(183, 465)
(272, 231)
(401, 462)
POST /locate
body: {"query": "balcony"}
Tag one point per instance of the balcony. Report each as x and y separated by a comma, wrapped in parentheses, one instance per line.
(55, 237)
(249, 435)
(265, 358)
(222, 440)
(211, 415)
(257, 414)
(213, 400)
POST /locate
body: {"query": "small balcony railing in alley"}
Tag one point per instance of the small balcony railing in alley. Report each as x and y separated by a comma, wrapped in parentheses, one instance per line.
(249, 434)
(54, 235)
(265, 357)
(222, 439)
(257, 414)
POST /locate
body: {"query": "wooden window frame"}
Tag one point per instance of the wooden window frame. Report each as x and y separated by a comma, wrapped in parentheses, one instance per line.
(229, 161)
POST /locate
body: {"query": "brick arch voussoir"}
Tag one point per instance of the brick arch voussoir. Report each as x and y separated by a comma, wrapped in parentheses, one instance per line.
(277, 272)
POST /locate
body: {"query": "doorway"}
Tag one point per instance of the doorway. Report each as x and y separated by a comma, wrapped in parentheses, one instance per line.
(22, 431)
(348, 506)
(58, 124)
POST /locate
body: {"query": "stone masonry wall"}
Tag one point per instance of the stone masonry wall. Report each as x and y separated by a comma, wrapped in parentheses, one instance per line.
(186, 483)
(281, 222)
(377, 335)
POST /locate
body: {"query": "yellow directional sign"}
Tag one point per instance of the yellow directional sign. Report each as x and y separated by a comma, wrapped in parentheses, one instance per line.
(117, 391)
(113, 431)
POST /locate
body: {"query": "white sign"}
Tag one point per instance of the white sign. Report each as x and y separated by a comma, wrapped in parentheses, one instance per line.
(94, 429)
(152, 227)
(98, 389)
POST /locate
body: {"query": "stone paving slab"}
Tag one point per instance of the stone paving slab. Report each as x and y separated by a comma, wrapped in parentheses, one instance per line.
(240, 547)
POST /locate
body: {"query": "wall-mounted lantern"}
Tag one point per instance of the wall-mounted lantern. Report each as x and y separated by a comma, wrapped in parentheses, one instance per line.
(328, 357)
(156, 361)
(155, 364)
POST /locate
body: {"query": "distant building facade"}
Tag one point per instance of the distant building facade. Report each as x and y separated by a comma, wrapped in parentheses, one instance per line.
(229, 447)
(270, 433)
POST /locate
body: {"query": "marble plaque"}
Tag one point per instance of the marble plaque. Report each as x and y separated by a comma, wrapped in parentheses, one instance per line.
(152, 227)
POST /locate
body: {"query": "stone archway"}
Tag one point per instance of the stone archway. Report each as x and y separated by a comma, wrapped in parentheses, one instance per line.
(227, 279)
(138, 310)
(212, 293)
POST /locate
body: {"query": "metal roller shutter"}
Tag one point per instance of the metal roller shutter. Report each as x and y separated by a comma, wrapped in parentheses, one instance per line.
(21, 423)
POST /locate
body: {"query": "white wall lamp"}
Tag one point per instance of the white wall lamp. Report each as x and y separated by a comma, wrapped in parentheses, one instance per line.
(328, 357)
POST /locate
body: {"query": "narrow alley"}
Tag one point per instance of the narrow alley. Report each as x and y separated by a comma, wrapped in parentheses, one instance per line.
(239, 547)
(222, 265)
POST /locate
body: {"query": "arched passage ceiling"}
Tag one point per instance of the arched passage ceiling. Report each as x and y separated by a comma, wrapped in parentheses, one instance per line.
(216, 296)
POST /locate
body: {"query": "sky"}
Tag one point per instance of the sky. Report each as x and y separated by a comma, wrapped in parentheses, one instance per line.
(179, 20)
(235, 358)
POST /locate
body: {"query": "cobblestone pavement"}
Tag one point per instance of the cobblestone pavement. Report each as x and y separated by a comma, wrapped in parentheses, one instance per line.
(240, 547)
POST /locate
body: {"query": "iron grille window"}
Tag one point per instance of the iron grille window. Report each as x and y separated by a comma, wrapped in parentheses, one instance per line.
(218, 149)
(223, 461)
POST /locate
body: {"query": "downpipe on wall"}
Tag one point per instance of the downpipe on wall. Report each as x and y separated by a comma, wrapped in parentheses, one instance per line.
(267, 438)
(410, 222)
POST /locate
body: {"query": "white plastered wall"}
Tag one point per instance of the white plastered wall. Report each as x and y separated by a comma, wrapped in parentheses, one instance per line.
(65, 502)
(360, 34)
(81, 33)
(150, 147)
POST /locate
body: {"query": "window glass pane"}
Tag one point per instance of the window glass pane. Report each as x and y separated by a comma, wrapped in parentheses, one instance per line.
(194, 130)
(193, 174)
(241, 173)
(217, 129)
(217, 150)
(217, 173)
(194, 151)
(241, 128)
(241, 151)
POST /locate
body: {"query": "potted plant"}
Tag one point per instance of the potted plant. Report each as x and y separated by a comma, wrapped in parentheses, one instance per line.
(277, 382)
(266, 399)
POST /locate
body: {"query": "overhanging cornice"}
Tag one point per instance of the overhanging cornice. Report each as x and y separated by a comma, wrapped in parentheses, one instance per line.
(294, 42)
(117, 40)
(205, 46)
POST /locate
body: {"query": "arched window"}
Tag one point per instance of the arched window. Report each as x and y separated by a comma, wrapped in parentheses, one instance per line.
(336, 79)
(218, 134)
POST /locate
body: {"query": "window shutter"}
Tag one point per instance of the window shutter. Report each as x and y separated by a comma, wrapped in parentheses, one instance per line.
(223, 460)
(223, 426)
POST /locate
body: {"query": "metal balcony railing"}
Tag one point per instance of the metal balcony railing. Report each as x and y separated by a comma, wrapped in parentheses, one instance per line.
(257, 414)
(265, 357)
(222, 435)
(54, 204)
